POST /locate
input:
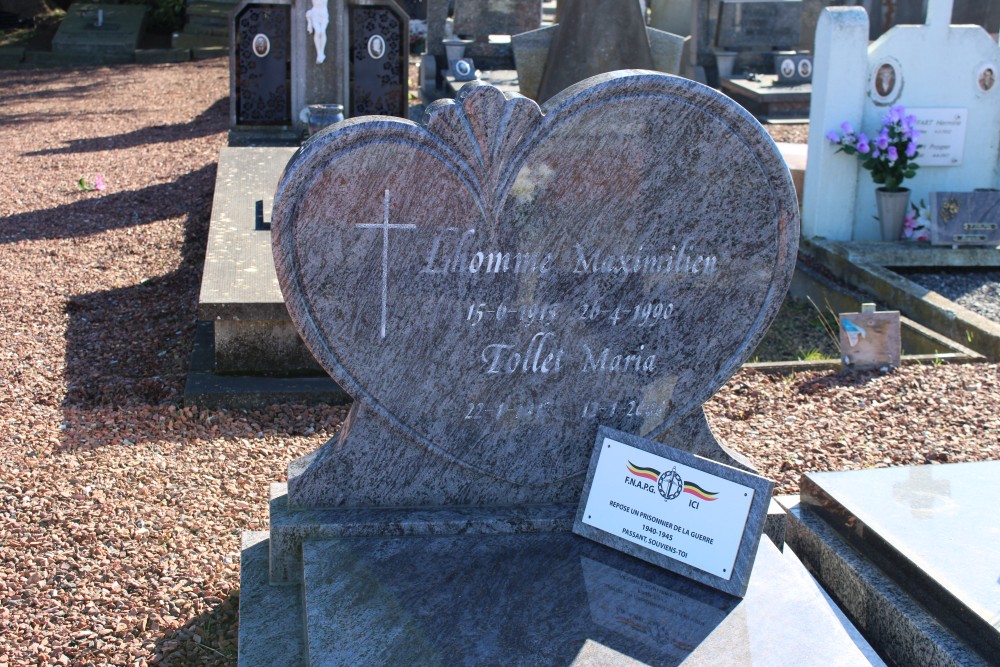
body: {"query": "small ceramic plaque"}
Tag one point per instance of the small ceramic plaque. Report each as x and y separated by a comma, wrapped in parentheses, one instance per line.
(687, 514)
(869, 339)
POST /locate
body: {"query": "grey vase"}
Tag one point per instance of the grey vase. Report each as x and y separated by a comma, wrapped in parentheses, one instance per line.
(892, 208)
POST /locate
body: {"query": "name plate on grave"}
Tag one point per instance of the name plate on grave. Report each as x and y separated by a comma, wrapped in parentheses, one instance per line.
(942, 138)
(495, 284)
(965, 218)
(666, 506)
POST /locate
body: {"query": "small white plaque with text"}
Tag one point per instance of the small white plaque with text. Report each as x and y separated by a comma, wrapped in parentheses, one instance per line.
(682, 512)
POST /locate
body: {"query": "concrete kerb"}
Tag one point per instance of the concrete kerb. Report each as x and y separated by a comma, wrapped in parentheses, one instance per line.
(860, 265)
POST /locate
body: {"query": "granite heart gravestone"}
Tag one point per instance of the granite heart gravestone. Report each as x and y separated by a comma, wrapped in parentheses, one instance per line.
(492, 286)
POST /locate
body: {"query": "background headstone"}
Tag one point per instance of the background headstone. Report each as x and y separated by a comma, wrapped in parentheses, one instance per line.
(516, 279)
(757, 25)
(260, 51)
(595, 37)
(936, 67)
(379, 59)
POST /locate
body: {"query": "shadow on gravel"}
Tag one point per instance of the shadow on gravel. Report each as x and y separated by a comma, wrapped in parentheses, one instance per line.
(131, 345)
(89, 215)
(838, 379)
(36, 81)
(212, 120)
(206, 639)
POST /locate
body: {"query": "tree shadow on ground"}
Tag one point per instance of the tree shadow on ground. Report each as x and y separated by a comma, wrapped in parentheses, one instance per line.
(90, 216)
(132, 344)
(207, 639)
(839, 379)
(209, 121)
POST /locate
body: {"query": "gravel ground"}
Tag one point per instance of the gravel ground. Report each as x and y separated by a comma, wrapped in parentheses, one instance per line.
(120, 511)
(979, 291)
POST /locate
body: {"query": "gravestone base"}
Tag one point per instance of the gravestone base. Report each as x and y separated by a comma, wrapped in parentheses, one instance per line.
(524, 598)
(114, 41)
(908, 555)
(766, 99)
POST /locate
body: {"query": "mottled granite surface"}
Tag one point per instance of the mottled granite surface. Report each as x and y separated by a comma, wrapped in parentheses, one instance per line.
(932, 529)
(270, 616)
(493, 285)
(899, 628)
(555, 599)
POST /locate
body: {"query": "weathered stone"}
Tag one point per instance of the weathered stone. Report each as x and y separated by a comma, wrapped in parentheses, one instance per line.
(595, 37)
(759, 25)
(479, 19)
(492, 286)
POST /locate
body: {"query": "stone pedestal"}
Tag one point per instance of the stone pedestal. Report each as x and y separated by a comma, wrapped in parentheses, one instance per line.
(388, 593)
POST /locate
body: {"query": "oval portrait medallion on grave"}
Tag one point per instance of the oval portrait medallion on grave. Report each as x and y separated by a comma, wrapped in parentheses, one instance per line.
(495, 284)
(376, 46)
(261, 45)
(986, 77)
(885, 82)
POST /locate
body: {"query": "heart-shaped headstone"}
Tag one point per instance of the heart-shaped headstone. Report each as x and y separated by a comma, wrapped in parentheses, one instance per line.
(497, 283)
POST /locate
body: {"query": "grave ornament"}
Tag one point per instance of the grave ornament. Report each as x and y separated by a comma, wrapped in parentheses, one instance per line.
(317, 20)
(493, 285)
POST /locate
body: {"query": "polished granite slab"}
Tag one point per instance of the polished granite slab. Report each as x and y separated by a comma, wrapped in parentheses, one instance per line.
(932, 529)
(553, 599)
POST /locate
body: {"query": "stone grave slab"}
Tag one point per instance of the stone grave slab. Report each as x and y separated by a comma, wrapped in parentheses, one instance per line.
(114, 40)
(766, 99)
(247, 351)
(594, 37)
(931, 529)
(759, 24)
(490, 22)
(900, 551)
(965, 218)
(552, 600)
(556, 293)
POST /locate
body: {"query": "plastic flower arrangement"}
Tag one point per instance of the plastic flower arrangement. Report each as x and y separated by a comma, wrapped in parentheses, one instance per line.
(916, 224)
(890, 155)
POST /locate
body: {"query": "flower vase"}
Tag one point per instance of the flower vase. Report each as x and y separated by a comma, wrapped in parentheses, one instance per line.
(892, 208)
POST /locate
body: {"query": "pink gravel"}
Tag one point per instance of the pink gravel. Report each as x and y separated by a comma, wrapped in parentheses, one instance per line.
(120, 510)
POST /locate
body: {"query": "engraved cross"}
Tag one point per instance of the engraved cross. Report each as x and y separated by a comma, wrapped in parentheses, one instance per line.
(385, 227)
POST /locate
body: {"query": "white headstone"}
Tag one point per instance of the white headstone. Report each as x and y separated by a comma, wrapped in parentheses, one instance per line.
(939, 72)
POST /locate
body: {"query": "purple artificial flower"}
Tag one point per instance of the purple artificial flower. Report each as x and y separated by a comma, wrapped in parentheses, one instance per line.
(897, 113)
(99, 183)
(911, 149)
(876, 152)
(847, 127)
(833, 136)
(863, 146)
(893, 154)
(883, 141)
(914, 134)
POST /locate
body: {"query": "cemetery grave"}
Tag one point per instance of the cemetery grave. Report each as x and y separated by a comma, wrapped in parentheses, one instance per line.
(91, 418)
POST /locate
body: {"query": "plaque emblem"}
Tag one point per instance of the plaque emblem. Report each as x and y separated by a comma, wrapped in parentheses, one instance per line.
(261, 45)
(670, 484)
(376, 46)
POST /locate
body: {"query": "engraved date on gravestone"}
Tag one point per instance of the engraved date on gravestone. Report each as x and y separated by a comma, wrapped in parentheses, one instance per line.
(498, 282)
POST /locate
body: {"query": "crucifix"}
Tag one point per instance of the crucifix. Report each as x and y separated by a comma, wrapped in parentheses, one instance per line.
(385, 227)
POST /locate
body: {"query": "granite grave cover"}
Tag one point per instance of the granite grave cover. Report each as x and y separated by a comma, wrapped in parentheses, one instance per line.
(493, 285)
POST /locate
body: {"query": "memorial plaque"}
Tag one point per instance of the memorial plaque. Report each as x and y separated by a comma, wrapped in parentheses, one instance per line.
(493, 285)
(379, 59)
(759, 24)
(263, 65)
(942, 136)
(663, 505)
(965, 218)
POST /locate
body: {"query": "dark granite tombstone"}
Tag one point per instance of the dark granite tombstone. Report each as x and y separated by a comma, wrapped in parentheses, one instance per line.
(480, 20)
(753, 24)
(415, 9)
(595, 37)
(491, 287)
(261, 71)
(379, 59)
